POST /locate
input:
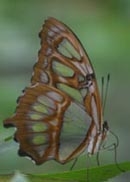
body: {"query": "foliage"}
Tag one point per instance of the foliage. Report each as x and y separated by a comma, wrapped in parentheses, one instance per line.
(98, 174)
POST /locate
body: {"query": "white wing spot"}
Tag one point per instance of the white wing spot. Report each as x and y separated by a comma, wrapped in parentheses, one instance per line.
(44, 77)
(45, 63)
(49, 51)
(55, 29)
(51, 34)
(55, 96)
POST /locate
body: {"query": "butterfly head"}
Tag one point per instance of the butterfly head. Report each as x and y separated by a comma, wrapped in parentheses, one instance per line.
(88, 81)
(105, 126)
(89, 78)
(105, 129)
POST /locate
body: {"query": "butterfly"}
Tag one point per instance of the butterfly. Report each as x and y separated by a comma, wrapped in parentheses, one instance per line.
(59, 115)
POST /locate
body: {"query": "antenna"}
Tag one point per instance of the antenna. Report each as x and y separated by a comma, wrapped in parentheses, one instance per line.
(75, 161)
(102, 89)
(106, 92)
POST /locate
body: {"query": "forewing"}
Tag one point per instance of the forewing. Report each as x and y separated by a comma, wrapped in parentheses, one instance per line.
(61, 58)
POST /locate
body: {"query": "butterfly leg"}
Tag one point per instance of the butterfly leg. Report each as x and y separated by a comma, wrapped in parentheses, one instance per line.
(88, 168)
(115, 157)
(113, 147)
(74, 163)
(98, 158)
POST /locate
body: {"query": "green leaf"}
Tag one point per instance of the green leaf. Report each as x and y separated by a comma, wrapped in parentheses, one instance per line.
(97, 174)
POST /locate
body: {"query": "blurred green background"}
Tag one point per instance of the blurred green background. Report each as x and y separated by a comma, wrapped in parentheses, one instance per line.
(104, 29)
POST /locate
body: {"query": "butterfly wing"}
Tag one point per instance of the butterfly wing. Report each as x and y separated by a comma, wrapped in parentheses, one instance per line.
(61, 57)
(60, 114)
(42, 117)
(38, 122)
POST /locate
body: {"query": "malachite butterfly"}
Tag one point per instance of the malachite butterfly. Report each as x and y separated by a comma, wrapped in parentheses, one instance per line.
(60, 115)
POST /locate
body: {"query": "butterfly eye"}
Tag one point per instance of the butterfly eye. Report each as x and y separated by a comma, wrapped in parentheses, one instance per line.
(89, 77)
